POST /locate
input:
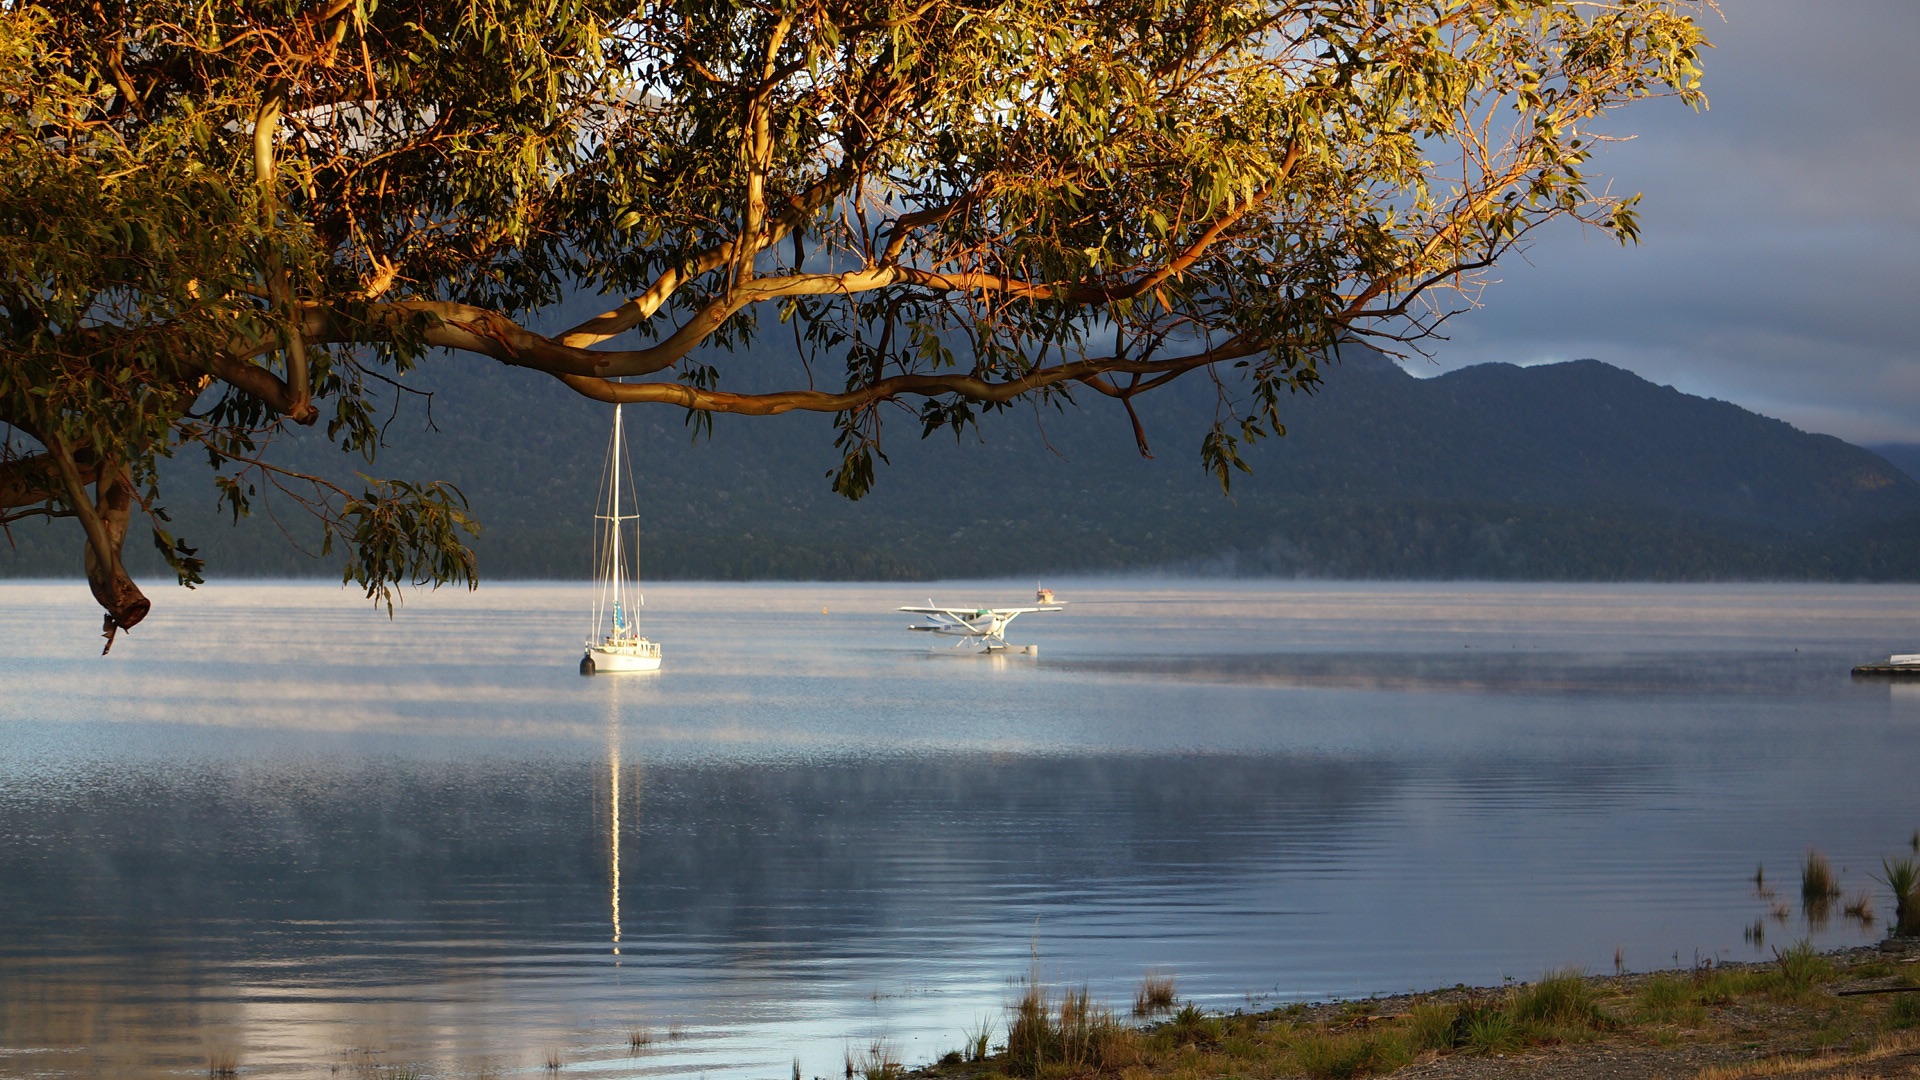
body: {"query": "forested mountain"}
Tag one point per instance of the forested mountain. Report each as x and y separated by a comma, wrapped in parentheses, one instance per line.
(1576, 470)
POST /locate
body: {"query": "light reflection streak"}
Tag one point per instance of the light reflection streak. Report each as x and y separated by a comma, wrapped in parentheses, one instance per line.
(613, 802)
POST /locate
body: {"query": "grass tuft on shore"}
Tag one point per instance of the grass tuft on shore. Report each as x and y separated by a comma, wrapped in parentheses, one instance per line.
(1818, 883)
(1801, 969)
(1155, 996)
(1562, 1001)
(979, 1040)
(1819, 887)
(1860, 908)
(1903, 879)
(1341, 1055)
(1065, 1037)
(878, 1061)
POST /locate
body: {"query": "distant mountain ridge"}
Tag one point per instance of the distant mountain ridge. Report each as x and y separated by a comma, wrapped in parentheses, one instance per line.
(1588, 434)
(1575, 470)
(1904, 455)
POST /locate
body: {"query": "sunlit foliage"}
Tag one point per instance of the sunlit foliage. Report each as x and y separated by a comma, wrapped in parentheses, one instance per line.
(224, 216)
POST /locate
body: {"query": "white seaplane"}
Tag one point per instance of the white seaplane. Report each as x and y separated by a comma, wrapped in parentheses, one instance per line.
(984, 628)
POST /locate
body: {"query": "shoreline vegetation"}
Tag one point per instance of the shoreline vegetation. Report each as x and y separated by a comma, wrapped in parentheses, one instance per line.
(1842, 1015)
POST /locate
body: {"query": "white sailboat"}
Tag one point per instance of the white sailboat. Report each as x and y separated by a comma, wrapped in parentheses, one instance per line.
(619, 648)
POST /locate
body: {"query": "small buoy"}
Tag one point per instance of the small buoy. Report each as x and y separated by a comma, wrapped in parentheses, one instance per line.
(823, 611)
(586, 665)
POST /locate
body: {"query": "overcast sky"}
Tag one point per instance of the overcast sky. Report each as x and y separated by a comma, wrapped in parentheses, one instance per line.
(1780, 247)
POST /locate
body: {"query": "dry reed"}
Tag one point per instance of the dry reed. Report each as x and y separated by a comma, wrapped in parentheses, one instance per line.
(1155, 996)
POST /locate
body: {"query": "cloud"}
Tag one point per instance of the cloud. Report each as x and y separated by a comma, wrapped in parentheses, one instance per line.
(1781, 232)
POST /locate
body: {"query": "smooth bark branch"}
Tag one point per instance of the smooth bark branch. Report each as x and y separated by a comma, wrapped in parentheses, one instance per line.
(971, 387)
(76, 492)
(36, 479)
(257, 382)
(467, 328)
(107, 577)
(756, 156)
(641, 308)
(105, 523)
(266, 127)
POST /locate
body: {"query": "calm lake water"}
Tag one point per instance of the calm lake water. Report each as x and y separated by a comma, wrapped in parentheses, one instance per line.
(278, 829)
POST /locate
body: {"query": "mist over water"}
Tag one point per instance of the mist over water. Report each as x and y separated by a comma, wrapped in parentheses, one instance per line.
(276, 825)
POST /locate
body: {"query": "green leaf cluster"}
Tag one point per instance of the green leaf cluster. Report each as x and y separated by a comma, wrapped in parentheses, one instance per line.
(222, 217)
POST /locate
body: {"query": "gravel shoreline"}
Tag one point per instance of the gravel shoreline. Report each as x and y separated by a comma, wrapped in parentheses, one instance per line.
(1820, 1033)
(1759, 1035)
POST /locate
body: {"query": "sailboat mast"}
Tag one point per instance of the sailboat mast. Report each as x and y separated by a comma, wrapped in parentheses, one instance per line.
(619, 563)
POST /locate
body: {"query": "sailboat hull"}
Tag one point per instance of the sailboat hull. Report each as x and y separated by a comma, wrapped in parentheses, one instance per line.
(624, 658)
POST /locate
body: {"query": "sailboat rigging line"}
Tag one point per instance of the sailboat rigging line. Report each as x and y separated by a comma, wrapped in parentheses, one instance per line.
(622, 647)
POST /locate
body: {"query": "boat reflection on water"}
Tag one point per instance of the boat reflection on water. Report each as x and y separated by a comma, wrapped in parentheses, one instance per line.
(613, 810)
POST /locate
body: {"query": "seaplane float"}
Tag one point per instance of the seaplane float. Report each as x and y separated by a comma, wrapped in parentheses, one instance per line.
(981, 629)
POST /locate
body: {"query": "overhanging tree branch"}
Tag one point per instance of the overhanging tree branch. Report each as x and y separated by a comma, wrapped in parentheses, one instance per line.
(971, 387)
(983, 203)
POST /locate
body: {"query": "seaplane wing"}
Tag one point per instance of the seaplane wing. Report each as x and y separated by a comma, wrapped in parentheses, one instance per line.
(975, 613)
